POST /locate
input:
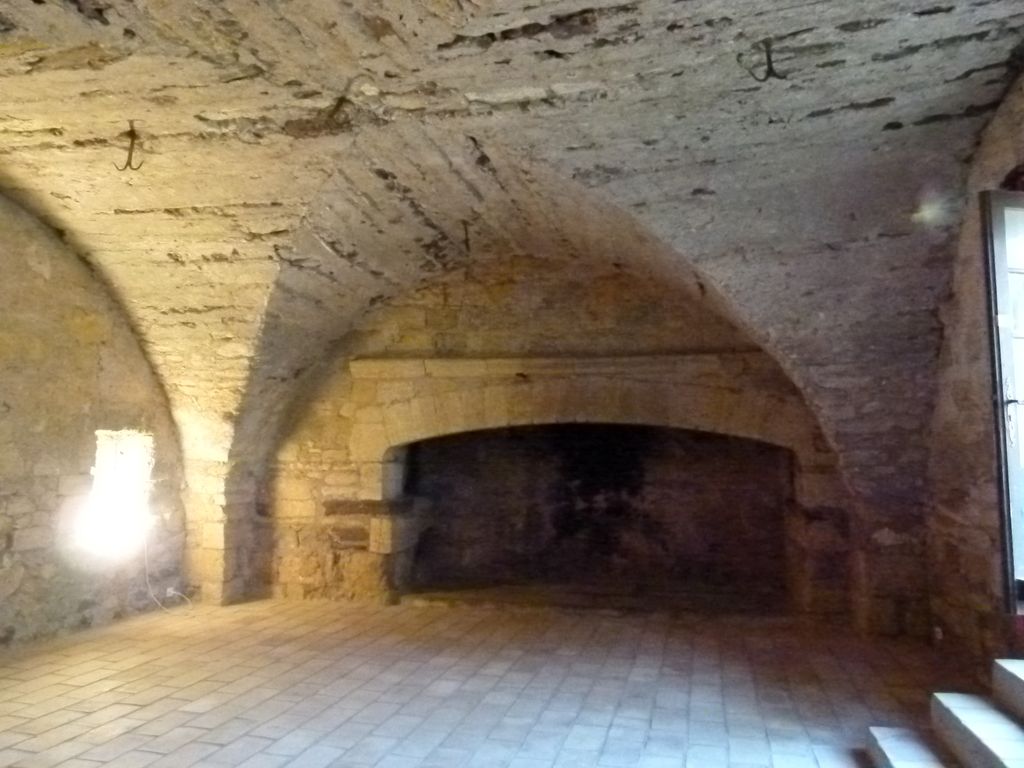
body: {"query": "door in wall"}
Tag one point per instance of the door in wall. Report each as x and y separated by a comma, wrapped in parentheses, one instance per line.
(1004, 236)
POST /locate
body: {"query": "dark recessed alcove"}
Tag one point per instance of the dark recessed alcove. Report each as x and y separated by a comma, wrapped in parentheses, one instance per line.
(592, 512)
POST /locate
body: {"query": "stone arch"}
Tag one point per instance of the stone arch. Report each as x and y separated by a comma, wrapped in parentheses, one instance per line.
(358, 249)
(964, 526)
(405, 400)
(70, 365)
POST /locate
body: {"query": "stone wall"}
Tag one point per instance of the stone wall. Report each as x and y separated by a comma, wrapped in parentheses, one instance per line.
(519, 345)
(545, 306)
(620, 508)
(445, 133)
(965, 540)
(69, 365)
(349, 451)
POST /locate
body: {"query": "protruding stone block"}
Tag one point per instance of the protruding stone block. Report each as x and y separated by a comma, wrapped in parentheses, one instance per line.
(393, 533)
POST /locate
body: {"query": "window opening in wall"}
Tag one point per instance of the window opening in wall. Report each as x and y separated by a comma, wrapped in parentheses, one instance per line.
(1003, 215)
(114, 520)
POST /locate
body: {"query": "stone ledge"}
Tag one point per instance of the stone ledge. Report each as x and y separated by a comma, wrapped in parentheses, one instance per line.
(632, 367)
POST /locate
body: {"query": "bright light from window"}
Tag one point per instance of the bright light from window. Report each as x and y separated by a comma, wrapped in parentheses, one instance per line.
(1014, 219)
(114, 520)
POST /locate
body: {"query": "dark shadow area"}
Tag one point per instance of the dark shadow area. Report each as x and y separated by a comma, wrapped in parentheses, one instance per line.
(595, 515)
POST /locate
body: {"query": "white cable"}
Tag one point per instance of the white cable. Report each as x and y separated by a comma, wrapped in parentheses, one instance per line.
(182, 595)
(149, 585)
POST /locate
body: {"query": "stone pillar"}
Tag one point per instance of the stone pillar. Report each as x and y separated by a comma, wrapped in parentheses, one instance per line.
(890, 574)
(207, 526)
(818, 539)
(222, 546)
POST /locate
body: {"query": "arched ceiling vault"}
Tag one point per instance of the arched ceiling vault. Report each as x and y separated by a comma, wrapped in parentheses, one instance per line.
(418, 205)
(327, 151)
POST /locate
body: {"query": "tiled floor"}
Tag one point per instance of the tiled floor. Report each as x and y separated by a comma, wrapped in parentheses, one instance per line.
(319, 684)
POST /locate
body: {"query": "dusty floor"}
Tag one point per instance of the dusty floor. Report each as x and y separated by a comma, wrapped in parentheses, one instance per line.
(312, 684)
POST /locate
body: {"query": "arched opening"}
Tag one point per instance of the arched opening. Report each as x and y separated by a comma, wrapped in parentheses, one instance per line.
(553, 319)
(79, 498)
(345, 523)
(599, 515)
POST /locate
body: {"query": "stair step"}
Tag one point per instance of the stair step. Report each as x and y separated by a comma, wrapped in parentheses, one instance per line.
(1008, 685)
(905, 748)
(978, 733)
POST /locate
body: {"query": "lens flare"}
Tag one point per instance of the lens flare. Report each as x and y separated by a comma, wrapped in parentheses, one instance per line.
(934, 210)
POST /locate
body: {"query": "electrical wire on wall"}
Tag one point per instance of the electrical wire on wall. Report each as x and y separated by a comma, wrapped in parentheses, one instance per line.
(171, 592)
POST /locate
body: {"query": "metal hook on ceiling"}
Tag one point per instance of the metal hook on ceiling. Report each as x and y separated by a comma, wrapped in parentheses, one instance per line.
(133, 137)
(770, 72)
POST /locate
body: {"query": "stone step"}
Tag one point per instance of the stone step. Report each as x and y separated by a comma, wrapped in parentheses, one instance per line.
(977, 732)
(1008, 685)
(906, 748)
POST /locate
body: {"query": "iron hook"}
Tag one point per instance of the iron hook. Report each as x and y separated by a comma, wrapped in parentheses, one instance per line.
(133, 137)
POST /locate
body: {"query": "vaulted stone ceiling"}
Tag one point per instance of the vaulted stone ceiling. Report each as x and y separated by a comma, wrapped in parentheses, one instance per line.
(303, 159)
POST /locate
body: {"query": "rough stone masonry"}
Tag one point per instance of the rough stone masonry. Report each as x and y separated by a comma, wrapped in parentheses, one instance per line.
(305, 161)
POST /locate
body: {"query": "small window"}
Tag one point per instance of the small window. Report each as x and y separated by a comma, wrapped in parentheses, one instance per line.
(115, 518)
